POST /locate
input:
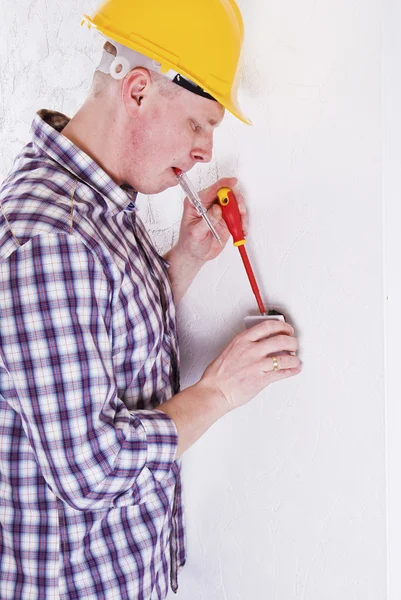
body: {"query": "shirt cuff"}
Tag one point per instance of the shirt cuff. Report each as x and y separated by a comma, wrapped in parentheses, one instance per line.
(161, 440)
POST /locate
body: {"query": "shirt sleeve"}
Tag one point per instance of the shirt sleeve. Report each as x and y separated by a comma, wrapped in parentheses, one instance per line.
(55, 328)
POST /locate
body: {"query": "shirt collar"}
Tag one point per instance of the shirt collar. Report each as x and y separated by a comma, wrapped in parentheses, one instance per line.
(46, 133)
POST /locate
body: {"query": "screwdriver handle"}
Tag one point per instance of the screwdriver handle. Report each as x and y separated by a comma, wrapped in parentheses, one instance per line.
(231, 215)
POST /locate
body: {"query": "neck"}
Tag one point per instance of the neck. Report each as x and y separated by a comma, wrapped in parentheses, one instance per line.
(93, 129)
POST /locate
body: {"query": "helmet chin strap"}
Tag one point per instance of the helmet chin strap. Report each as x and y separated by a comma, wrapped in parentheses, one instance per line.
(126, 59)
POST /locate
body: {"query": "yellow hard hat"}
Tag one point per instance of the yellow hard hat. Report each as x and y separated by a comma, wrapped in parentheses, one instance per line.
(199, 39)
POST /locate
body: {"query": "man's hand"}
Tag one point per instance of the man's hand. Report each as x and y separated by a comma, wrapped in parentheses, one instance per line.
(244, 368)
(196, 243)
(195, 240)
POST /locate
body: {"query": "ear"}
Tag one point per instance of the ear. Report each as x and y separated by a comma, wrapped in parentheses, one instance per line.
(135, 89)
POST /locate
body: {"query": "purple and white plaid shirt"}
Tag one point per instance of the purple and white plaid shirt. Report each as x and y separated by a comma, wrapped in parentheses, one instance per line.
(90, 493)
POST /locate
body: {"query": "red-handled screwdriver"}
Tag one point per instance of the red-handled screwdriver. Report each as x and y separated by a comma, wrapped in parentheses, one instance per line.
(232, 218)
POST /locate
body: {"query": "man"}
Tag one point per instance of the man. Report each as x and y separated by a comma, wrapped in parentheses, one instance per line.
(92, 419)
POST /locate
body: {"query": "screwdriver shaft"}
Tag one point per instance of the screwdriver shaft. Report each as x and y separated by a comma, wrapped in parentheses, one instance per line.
(252, 280)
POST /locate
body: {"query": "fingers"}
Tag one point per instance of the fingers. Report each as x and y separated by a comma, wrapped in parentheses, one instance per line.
(278, 347)
(215, 213)
(268, 328)
(216, 217)
(230, 182)
(209, 195)
(283, 362)
(242, 207)
(208, 198)
(274, 376)
(243, 210)
(278, 343)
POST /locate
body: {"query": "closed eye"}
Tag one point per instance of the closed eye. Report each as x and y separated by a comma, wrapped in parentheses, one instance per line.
(195, 126)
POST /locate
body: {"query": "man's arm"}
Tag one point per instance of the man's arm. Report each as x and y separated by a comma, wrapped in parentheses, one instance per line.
(56, 350)
(182, 271)
(56, 354)
(193, 411)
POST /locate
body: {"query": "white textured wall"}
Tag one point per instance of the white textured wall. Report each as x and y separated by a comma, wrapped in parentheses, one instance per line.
(285, 497)
(392, 264)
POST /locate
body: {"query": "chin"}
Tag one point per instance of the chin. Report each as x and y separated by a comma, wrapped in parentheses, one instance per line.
(164, 185)
(150, 189)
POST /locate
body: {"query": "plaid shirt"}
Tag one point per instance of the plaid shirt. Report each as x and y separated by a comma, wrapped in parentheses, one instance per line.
(90, 493)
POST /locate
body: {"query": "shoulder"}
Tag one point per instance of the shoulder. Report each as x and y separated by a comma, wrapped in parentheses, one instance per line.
(40, 197)
(35, 198)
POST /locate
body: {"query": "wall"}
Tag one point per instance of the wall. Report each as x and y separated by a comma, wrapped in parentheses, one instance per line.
(285, 498)
(391, 92)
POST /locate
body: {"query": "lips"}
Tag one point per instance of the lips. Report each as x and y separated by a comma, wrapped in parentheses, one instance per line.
(179, 171)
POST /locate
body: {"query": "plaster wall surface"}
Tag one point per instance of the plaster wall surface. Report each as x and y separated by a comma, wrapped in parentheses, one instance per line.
(285, 497)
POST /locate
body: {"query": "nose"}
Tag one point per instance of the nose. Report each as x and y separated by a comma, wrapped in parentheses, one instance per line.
(203, 152)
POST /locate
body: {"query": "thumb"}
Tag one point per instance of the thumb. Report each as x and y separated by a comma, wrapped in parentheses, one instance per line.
(215, 212)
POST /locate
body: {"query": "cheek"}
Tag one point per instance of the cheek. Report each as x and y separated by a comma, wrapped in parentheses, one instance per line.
(180, 138)
(159, 146)
(173, 143)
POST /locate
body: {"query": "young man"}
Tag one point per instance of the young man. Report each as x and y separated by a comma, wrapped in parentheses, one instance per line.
(92, 418)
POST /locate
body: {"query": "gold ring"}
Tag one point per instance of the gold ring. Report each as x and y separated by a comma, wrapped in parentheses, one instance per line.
(275, 363)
